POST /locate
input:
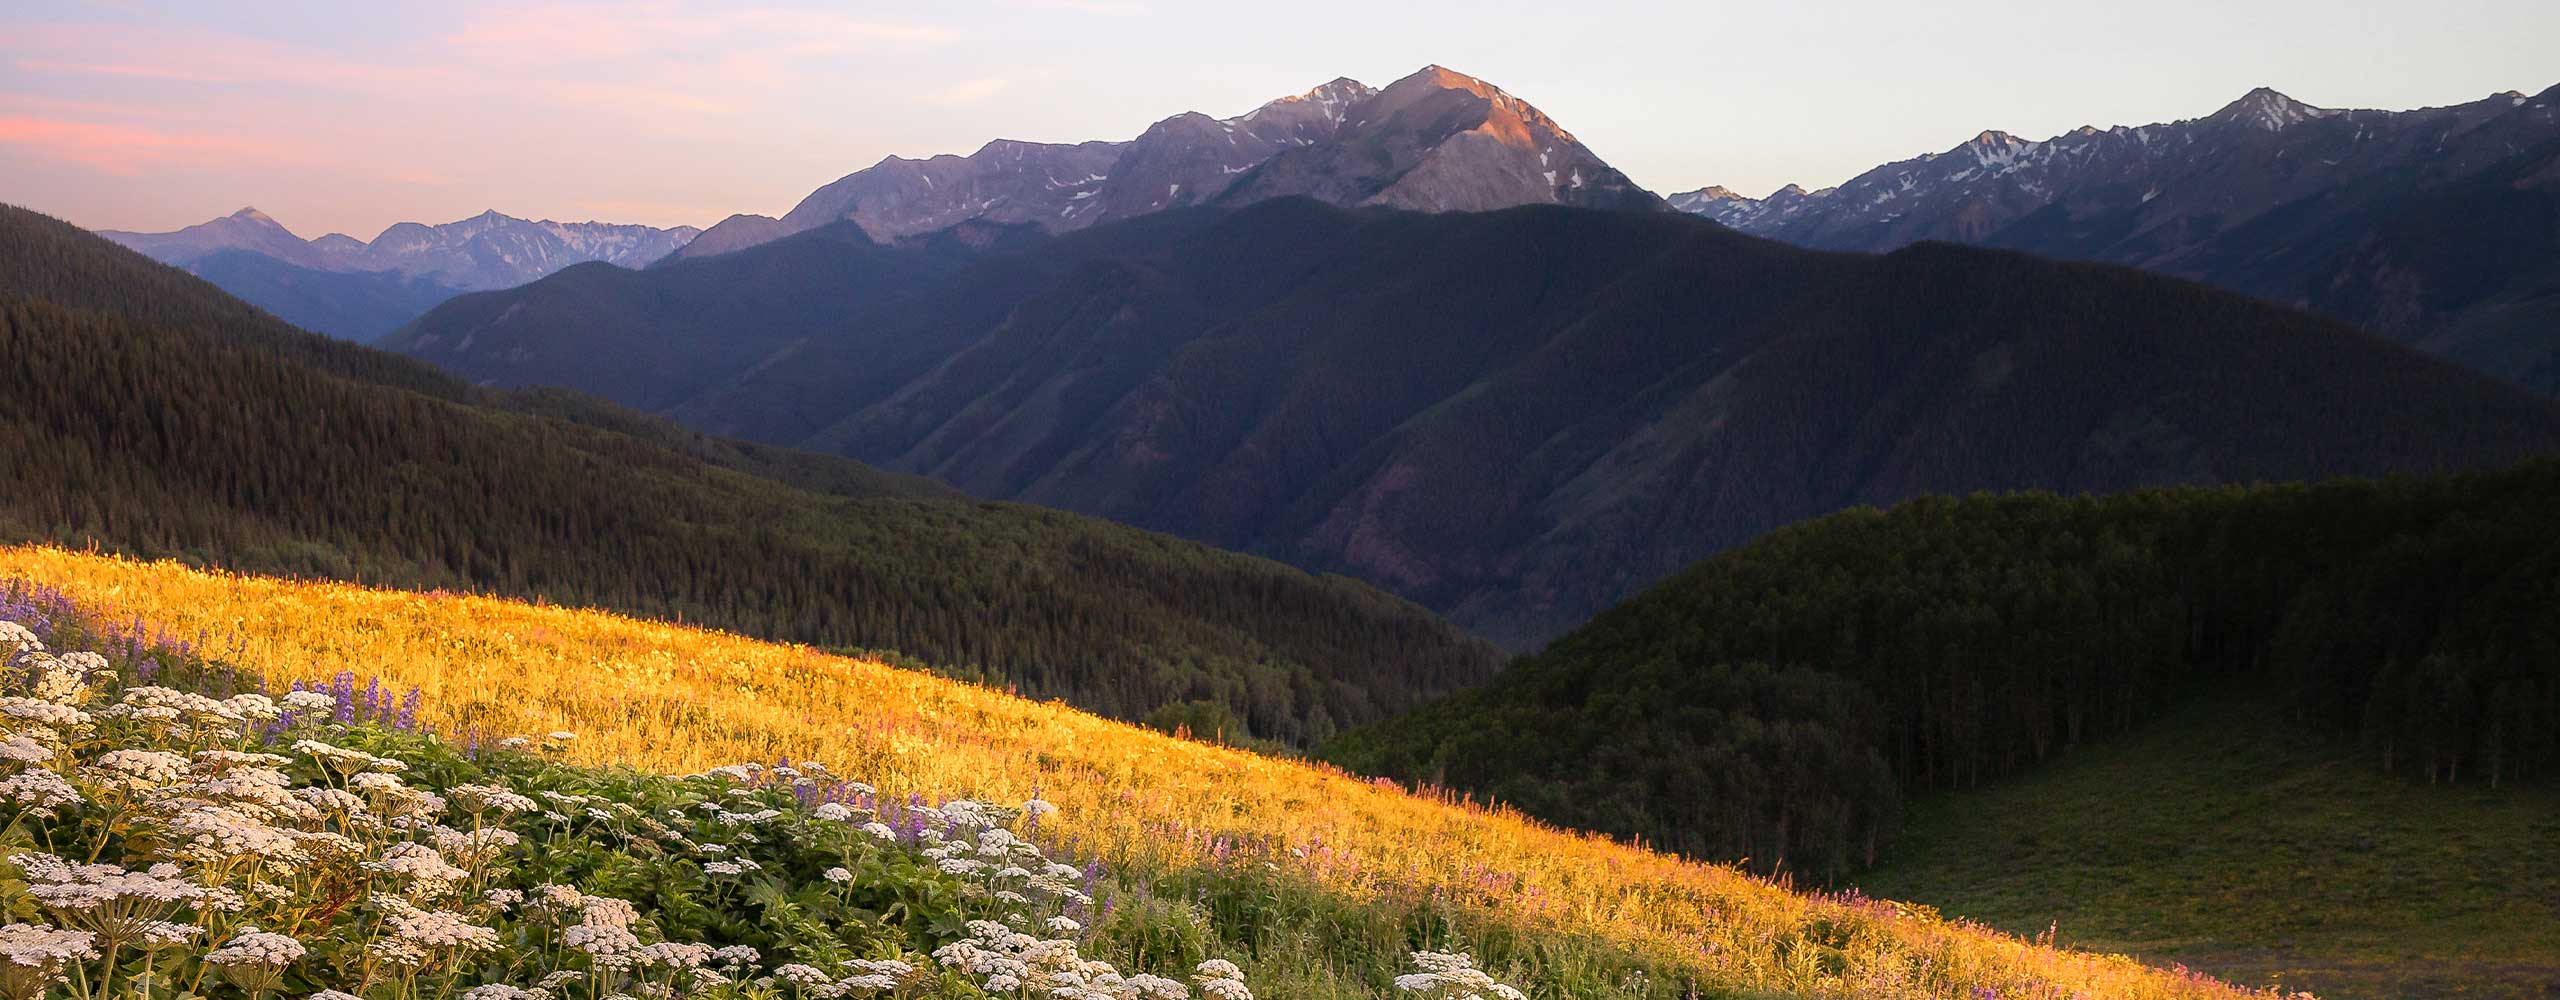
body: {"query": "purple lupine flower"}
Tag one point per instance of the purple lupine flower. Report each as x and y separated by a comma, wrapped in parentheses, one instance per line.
(408, 719)
(38, 607)
(343, 688)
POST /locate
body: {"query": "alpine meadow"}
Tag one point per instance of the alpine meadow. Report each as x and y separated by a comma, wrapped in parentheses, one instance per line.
(1152, 500)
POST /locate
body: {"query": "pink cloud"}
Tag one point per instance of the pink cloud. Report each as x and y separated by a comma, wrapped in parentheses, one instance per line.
(24, 103)
(1113, 8)
(126, 150)
(617, 59)
(198, 57)
(419, 179)
(119, 69)
(547, 32)
(637, 100)
(968, 91)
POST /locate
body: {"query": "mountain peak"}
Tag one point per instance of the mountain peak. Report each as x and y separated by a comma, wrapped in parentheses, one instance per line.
(1438, 140)
(2268, 109)
(1335, 86)
(251, 214)
(1331, 99)
(1438, 77)
(1707, 200)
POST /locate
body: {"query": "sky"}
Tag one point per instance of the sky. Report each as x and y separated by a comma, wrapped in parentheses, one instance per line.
(347, 117)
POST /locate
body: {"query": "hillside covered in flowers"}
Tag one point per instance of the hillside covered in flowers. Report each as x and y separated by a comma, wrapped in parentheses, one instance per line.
(177, 832)
(1313, 884)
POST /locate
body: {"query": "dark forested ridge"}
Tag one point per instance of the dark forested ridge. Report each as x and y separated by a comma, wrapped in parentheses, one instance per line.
(1515, 417)
(145, 413)
(361, 306)
(1775, 701)
(661, 336)
(46, 259)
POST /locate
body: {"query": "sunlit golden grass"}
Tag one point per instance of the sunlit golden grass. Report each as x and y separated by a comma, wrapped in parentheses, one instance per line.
(664, 697)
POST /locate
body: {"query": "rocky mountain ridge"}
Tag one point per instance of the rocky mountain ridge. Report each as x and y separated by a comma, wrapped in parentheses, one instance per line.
(2436, 227)
(485, 251)
(1436, 140)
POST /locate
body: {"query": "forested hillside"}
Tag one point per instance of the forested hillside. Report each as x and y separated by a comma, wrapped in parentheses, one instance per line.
(360, 306)
(661, 336)
(1776, 702)
(144, 413)
(1517, 418)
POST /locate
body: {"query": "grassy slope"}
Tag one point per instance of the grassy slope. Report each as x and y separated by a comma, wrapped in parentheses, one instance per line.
(1327, 877)
(2228, 839)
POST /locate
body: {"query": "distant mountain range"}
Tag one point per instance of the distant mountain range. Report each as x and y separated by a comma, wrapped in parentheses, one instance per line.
(2438, 227)
(1515, 417)
(1437, 140)
(343, 286)
(485, 251)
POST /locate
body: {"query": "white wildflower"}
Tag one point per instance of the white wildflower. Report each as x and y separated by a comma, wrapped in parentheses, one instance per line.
(252, 707)
(33, 956)
(1453, 976)
(805, 976)
(444, 929)
(141, 768)
(23, 748)
(16, 639)
(44, 712)
(256, 947)
(477, 799)
(39, 791)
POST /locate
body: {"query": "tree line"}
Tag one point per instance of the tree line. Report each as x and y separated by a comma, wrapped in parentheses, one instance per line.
(1776, 702)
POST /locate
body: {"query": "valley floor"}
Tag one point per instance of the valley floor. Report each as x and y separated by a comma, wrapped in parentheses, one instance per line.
(2228, 839)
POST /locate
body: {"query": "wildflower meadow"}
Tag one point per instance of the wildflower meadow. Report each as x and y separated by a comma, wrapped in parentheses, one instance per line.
(325, 790)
